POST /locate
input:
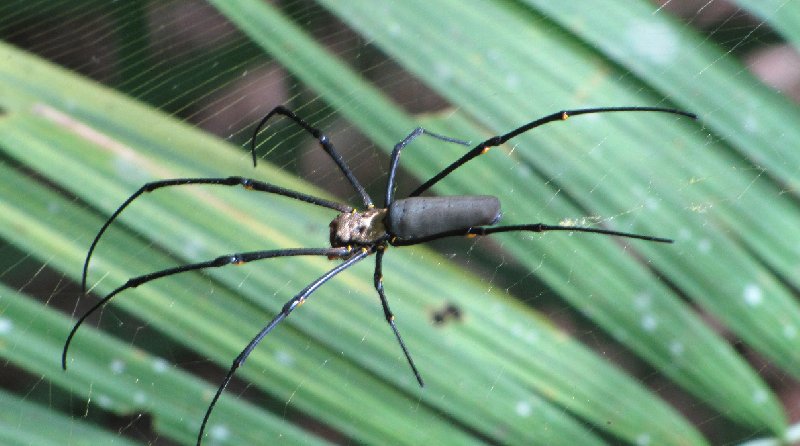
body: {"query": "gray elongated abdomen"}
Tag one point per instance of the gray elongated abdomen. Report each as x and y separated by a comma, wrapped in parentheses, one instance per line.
(418, 217)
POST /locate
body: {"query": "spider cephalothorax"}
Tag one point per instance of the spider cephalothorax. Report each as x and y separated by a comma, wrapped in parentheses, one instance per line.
(359, 228)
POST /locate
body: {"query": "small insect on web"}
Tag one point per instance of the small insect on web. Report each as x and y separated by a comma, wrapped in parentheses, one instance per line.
(449, 312)
(357, 234)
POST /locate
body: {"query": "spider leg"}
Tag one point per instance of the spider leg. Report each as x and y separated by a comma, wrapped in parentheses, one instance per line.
(323, 140)
(247, 183)
(237, 259)
(535, 227)
(387, 312)
(558, 116)
(288, 307)
(395, 157)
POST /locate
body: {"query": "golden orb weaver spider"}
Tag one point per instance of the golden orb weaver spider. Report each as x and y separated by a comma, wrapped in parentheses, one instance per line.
(355, 235)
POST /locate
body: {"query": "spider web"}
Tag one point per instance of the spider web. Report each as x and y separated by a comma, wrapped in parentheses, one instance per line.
(189, 61)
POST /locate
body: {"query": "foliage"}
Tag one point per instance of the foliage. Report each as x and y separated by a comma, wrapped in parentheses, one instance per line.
(723, 187)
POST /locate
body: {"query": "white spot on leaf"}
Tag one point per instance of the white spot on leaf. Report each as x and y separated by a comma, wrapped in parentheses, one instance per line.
(104, 401)
(139, 398)
(676, 348)
(753, 295)
(512, 81)
(523, 408)
(643, 439)
(284, 358)
(642, 301)
(6, 326)
(653, 41)
(750, 124)
(220, 432)
(649, 322)
(117, 366)
(193, 247)
(160, 365)
(444, 72)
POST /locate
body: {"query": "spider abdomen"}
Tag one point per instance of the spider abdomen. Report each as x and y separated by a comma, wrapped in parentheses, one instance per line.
(419, 217)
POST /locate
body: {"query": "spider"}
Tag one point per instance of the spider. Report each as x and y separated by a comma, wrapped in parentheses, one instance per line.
(357, 234)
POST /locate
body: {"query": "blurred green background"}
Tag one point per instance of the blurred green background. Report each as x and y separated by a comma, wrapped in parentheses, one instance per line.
(563, 338)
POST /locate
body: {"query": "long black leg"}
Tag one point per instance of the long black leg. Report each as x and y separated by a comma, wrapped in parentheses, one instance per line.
(287, 309)
(247, 183)
(387, 312)
(559, 116)
(237, 259)
(323, 140)
(535, 227)
(395, 158)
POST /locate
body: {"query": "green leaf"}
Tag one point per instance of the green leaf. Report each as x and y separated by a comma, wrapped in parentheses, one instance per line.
(502, 374)
(26, 423)
(115, 377)
(632, 304)
(357, 393)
